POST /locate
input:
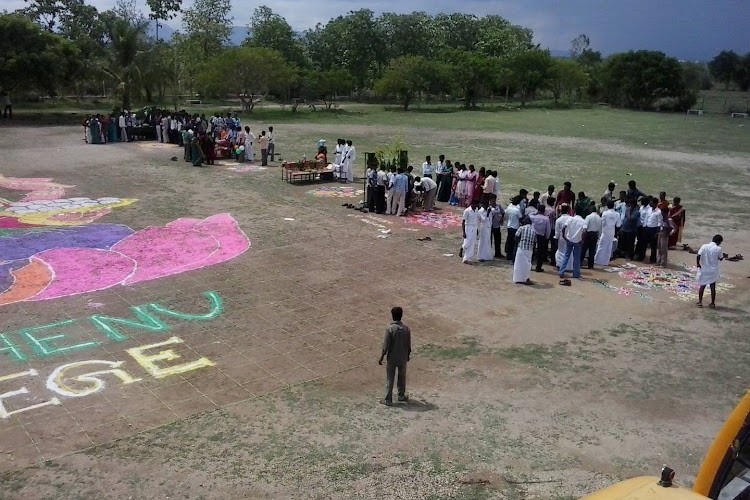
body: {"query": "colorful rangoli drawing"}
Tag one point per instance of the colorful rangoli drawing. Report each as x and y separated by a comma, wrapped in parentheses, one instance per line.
(60, 262)
(681, 284)
(337, 192)
(243, 169)
(440, 221)
(50, 249)
(44, 205)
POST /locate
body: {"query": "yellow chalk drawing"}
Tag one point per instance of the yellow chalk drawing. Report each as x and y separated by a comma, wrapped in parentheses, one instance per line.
(4, 413)
(148, 361)
(56, 382)
(72, 216)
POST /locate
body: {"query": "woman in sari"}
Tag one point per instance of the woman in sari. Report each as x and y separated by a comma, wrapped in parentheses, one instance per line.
(196, 153)
(677, 214)
(95, 131)
(478, 186)
(461, 188)
(471, 182)
(446, 183)
(87, 131)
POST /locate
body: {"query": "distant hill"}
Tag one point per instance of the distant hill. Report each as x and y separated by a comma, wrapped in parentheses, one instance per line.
(236, 36)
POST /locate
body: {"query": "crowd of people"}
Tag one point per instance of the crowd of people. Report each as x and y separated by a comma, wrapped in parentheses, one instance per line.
(204, 139)
(562, 228)
(566, 228)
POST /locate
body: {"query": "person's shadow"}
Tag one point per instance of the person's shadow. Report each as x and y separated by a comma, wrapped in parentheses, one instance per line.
(416, 406)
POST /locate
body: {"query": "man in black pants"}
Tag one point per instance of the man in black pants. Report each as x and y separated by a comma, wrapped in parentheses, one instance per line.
(397, 350)
(498, 216)
(593, 228)
(543, 230)
(382, 180)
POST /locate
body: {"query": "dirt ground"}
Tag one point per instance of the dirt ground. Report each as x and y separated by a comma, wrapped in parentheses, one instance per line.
(516, 392)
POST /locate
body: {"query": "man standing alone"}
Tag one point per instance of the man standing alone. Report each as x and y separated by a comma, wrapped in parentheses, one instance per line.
(263, 144)
(396, 350)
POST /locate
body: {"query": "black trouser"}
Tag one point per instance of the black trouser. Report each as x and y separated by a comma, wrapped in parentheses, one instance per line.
(496, 238)
(626, 244)
(641, 245)
(380, 199)
(541, 250)
(371, 198)
(264, 157)
(652, 236)
(552, 250)
(510, 244)
(589, 247)
(390, 375)
(439, 179)
(8, 111)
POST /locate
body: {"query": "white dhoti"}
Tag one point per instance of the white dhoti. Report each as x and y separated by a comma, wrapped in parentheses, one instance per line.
(485, 246)
(470, 241)
(562, 246)
(604, 248)
(348, 171)
(249, 155)
(158, 133)
(707, 275)
(522, 266)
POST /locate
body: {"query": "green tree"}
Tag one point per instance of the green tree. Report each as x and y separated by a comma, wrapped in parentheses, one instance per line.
(497, 37)
(566, 77)
(254, 72)
(354, 42)
(578, 45)
(32, 58)
(531, 70)
(475, 74)
(724, 66)
(696, 76)
(208, 23)
(412, 34)
(121, 64)
(457, 32)
(408, 76)
(163, 10)
(270, 30)
(742, 75)
(637, 79)
(46, 13)
(324, 86)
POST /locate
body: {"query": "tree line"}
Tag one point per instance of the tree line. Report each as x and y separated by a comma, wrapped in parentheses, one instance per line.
(56, 46)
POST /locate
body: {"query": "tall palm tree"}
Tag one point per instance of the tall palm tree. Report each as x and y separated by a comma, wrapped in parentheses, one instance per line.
(126, 44)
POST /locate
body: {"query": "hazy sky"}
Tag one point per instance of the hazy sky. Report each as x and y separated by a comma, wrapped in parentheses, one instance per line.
(688, 29)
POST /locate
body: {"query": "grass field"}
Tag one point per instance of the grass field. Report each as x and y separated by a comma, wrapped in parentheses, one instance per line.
(541, 392)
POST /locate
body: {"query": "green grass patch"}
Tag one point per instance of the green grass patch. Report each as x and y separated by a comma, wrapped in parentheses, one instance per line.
(469, 347)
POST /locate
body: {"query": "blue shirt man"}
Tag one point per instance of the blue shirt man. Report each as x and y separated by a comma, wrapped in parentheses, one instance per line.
(400, 183)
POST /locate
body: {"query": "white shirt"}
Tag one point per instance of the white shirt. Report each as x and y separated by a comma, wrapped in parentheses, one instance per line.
(471, 217)
(645, 212)
(490, 184)
(593, 222)
(249, 137)
(427, 168)
(485, 218)
(543, 198)
(513, 215)
(559, 224)
(610, 220)
(121, 121)
(390, 176)
(574, 229)
(428, 184)
(382, 178)
(654, 219)
(710, 253)
(270, 137)
(352, 154)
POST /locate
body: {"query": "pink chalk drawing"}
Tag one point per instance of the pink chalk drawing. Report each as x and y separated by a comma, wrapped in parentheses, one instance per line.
(62, 262)
(337, 192)
(436, 220)
(39, 188)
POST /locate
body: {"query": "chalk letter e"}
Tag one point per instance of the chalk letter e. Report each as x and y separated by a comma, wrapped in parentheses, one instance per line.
(4, 413)
(148, 361)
